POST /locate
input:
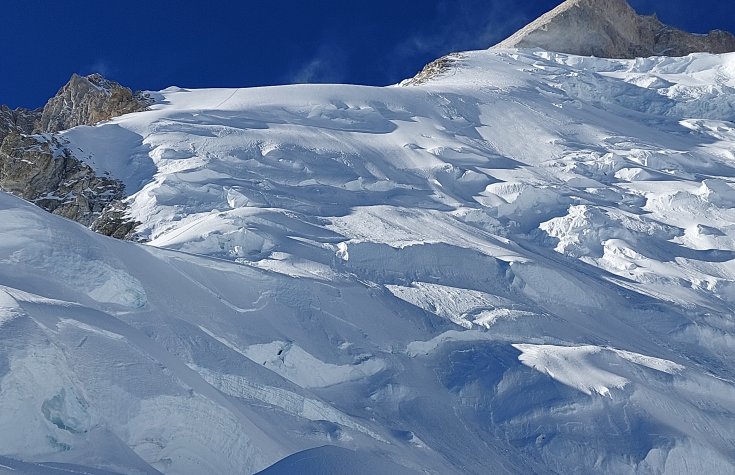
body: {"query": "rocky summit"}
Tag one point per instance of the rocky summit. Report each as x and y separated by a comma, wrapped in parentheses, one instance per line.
(612, 29)
(36, 165)
(86, 100)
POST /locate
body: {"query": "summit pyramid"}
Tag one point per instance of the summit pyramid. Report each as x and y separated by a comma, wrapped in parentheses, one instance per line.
(612, 29)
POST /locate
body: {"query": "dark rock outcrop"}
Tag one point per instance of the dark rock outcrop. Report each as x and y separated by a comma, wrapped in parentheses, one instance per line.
(36, 165)
(612, 29)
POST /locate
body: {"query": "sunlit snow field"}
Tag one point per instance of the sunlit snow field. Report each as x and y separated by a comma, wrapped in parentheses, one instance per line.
(524, 264)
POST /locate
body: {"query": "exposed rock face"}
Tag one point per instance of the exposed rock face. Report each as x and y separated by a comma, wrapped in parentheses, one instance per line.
(40, 169)
(86, 100)
(114, 221)
(612, 29)
(20, 121)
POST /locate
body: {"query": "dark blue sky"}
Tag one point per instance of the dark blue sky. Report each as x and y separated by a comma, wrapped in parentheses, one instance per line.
(152, 44)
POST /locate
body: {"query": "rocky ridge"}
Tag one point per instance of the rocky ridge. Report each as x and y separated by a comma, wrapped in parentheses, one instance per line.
(36, 165)
(87, 100)
(612, 29)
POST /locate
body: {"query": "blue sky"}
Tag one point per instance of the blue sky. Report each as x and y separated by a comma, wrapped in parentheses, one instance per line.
(153, 44)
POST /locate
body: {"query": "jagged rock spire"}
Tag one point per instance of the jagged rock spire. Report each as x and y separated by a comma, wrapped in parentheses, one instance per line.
(612, 29)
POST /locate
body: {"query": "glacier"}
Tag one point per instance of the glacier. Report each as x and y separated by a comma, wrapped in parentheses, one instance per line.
(522, 263)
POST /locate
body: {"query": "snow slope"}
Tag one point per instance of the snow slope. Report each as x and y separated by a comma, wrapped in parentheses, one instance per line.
(522, 265)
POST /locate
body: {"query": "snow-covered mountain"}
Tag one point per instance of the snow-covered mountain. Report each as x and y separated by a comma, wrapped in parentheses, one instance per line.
(518, 262)
(613, 29)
